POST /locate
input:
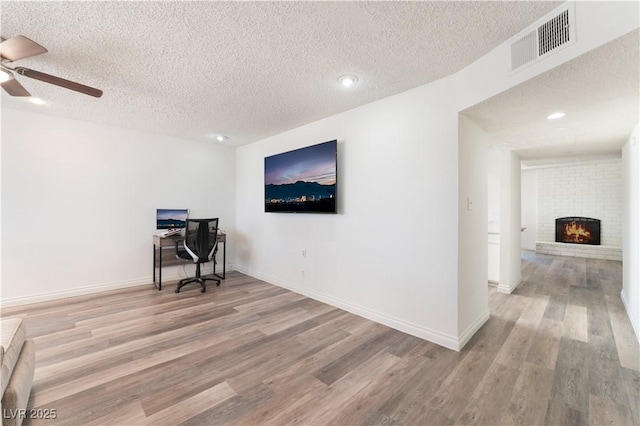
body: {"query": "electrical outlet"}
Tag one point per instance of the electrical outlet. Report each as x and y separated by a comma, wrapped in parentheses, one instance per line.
(302, 273)
(304, 253)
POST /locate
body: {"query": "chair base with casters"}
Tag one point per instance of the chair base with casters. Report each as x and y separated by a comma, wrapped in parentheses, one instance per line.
(197, 279)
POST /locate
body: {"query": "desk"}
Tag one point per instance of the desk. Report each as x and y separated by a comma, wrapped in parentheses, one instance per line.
(160, 242)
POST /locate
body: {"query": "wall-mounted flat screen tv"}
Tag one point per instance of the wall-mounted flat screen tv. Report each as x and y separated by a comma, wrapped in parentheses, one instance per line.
(303, 180)
(171, 218)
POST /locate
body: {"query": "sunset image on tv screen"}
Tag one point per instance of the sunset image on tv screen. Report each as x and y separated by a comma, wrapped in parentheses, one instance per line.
(302, 181)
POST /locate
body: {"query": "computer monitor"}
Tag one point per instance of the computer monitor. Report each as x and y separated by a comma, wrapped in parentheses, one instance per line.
(171, 218)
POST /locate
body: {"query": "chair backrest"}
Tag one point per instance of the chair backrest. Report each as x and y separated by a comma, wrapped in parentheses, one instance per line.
(200, 238)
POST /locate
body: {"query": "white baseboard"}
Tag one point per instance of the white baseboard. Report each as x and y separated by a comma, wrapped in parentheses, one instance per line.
(471, 330)
(509, 289)
(80, 291)
(169, 274)
(634, 324)
(442, 339)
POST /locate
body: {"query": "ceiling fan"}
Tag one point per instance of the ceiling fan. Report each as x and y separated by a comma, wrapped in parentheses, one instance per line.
(21, 47)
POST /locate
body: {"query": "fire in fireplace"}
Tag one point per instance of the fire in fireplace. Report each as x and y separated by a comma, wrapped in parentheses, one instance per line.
(578, 230)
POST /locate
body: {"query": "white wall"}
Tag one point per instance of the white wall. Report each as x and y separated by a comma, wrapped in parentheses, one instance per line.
(510, 223)
(493, 189)
(473, 303)
(631, 223)
(391, 253)
(79, 202)
(529, 195)
(493, 212)
(591, 189)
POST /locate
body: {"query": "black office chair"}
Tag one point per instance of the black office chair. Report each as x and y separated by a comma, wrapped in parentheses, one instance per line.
(200, 246)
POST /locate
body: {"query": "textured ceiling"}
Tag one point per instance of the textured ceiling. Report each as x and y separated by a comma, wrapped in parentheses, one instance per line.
(599, 92)
(246, 69)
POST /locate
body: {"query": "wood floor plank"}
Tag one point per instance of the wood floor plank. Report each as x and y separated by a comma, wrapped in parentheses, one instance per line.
(605, 380)
(603, 411)
(556, 307)
(624, 337)
(293, 395)
(276, 302)
(584, 296)
(544, 348)
(558, 350)
(45, 395)
(226, 365)
(575, 324)
(283, 321)
(184, 410)
(515, 348)
(325, 355)
(413, 399)
(529, 401)
(452, 396)
(136, 335)
(492, 335)
(378, 391)
(228, 411)
(631, 379)
(130, 413)
(560, 413)
(491, 397)
(378, 419)
(54, 340)
(350, 360)
(571, 378)
(114, 353)
(337, 396)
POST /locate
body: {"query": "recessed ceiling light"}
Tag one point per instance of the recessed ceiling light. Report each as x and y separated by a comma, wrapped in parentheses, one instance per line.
(348, 80)
(221, 138)
(556, 115)
(36, 101)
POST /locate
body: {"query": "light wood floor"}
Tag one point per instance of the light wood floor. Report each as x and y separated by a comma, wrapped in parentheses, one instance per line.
(560, 350)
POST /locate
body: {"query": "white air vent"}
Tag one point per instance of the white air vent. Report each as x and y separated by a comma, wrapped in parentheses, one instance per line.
(524, 50)
(546, 36)
(554, 33)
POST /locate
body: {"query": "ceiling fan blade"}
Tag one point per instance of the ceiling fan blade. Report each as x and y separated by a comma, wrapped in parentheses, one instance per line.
(14, 88)
(19, 47)
(51, 79)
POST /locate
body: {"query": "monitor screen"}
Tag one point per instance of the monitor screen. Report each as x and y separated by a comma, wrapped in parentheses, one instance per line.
(303, 180)
(171, 218)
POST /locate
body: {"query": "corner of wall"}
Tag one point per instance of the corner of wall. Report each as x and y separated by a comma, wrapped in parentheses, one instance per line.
(509, 288)
(464, 338)
(630, 293)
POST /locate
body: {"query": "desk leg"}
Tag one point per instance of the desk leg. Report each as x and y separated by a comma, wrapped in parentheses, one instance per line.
(158, 284)
(224, 263)
(160, 268)
(154, 264)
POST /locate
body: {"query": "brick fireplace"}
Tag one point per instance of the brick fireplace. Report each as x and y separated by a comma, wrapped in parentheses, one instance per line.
(590, 189)
(578, 237)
